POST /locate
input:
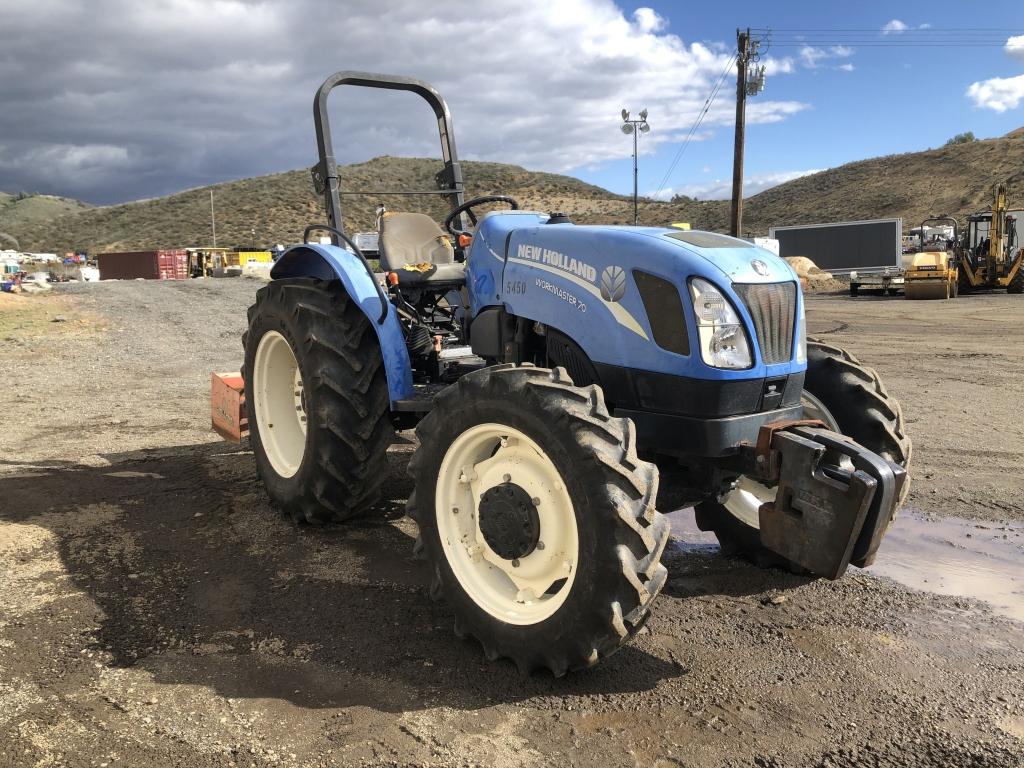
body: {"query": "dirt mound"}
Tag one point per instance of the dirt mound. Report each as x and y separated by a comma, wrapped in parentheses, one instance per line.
(804, 267)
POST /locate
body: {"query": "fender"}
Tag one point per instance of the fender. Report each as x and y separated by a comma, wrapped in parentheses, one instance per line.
(331, 262)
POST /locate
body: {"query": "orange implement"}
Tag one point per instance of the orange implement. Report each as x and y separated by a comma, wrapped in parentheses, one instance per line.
(227, 406)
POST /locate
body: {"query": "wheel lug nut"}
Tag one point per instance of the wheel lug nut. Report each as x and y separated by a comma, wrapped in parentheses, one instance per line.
(515, 563)
(540, 545)
(506, 478)
(455, 510)
(535, 501)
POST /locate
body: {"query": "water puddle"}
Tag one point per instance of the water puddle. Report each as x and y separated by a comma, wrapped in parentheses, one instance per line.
(964, 558)
(949, 556)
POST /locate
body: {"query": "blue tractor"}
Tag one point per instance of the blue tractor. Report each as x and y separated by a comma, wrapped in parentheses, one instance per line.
(565, 382)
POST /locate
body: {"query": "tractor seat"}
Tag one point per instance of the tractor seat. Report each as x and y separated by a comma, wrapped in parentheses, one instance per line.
(414, 247)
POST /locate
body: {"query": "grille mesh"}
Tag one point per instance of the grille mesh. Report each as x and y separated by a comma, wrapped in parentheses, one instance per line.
(773, 309)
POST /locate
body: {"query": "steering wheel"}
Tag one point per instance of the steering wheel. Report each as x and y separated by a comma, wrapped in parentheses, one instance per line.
(467, 207)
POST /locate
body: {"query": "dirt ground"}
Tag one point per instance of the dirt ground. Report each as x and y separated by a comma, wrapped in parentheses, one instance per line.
(155, 611)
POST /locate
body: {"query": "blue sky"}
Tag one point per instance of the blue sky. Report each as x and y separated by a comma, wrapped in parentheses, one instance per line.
(129, 109)
(895, 99)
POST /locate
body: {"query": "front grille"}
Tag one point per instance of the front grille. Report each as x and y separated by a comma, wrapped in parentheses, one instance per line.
(773, 309)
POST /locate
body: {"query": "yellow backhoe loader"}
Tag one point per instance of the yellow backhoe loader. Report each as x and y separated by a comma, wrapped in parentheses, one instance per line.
(990, 255)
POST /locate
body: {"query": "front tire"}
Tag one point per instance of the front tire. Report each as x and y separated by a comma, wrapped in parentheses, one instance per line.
(537, 517)
(850, 398)
(317, 399)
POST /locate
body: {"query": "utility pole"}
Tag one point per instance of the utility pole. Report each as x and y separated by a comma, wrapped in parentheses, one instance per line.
(749, 82)
(213, 220)
(742, 51)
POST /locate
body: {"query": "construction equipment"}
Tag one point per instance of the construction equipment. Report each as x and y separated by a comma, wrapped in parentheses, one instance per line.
(933, 272)
(989, 252)
(554, 373)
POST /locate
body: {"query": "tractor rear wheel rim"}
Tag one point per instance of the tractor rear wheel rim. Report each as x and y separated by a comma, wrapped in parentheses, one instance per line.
(531, 587)
(279, 402)
(745, 499)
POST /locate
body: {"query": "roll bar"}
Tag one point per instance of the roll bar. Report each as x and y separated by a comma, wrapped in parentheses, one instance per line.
(943, 217)
(325, 172)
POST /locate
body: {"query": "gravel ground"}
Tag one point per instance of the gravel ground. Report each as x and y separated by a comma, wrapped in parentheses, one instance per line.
(155, 611)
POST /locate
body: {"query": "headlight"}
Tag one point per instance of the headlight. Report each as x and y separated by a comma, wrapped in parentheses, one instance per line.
(801, 336)
(723, 342)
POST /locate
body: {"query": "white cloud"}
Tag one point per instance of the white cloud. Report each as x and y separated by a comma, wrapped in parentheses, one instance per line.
(998, 94)
(1015, 46)
(773, 66)
(534, 83)
(721, 189)
(648, 20)
(812, 57)
(894, 27)
(1001, 93)
(847, 67)
(925, 25)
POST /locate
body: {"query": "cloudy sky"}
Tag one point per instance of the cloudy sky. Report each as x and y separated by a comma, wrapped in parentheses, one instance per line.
(112, 100)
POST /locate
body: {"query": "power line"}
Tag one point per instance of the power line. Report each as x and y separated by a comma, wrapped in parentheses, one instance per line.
(910, 30)
(909, 38)
(696, 123)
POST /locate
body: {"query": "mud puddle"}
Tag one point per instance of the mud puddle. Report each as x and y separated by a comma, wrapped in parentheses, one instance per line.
(951, 556)
(961, 558)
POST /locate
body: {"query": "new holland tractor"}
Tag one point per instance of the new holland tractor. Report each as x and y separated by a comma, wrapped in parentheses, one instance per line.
(552, 373)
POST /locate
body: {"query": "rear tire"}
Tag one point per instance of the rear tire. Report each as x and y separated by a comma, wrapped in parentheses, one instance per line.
(592, 503)
(857, 403)
(339, 402)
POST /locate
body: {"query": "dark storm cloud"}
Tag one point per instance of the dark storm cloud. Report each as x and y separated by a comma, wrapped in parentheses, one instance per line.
(111, 101)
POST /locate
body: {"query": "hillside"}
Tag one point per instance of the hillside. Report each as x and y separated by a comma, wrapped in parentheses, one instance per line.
(957, 179)
(18, 212)
(279, 206)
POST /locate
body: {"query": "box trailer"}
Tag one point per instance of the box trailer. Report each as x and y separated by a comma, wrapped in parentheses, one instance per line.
(870, 252)
(171, 264)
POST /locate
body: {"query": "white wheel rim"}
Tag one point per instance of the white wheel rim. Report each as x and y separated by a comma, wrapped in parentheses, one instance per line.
(279, 404)
(745, 499)
(523, 591)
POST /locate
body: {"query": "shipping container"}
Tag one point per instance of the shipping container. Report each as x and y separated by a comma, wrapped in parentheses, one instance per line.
(149, 265)
(260, 257)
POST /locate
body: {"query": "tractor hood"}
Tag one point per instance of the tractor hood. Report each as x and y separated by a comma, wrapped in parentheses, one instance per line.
(586, 282)
(672, 253)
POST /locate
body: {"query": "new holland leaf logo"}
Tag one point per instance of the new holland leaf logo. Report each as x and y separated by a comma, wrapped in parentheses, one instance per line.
(613, 283)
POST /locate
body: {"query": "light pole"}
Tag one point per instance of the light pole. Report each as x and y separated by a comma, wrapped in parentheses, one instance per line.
(635, 127)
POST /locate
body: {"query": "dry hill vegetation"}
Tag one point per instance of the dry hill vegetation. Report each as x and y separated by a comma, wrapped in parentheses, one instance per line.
(956, 179)
(26, 210)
